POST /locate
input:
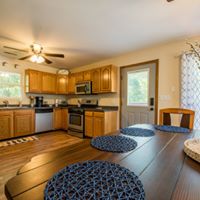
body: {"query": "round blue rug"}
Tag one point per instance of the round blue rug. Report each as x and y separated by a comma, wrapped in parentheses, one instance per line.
(173, 129)
(114, 143)
(140, 132)
(94, 180)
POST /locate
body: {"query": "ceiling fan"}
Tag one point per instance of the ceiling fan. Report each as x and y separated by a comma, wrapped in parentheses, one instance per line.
(37, 54)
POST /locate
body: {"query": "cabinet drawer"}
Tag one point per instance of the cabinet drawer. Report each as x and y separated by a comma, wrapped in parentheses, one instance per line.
(98, 114)
(89, 113)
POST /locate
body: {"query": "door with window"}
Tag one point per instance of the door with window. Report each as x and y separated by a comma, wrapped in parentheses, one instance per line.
(138, 92)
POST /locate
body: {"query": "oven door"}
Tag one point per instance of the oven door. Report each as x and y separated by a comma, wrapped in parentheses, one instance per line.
(75, 121)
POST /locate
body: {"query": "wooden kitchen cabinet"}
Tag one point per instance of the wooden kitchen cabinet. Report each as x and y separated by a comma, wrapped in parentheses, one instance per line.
(108, 79)
(62, 84)
(99, 123)
(79, 77)
(33, 81)
(48, 83)
(24, 122)
(95, 74)
(64, 118)
(6, 124)
(87, 75)
(58, 118)
(71, 83)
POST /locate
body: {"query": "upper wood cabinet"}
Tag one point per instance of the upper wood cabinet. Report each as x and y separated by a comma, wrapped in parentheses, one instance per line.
(87, 76)
(6, 124)
(48, 83)
(24, 122)
(95, 74)
(62, 84)
(71, 83)
(108, 79)
(79, 77)
(33, 81)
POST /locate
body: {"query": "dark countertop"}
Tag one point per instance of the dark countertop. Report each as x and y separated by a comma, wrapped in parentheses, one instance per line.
(97, 109)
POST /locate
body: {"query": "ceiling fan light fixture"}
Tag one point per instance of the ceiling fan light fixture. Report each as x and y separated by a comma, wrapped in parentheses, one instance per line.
(36, 48)
(37, 59)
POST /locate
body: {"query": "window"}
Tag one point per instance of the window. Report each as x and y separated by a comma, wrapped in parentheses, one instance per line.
(138, 88)
(10, 85)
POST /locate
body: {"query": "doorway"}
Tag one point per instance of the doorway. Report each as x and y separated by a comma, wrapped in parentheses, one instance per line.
(139, 93)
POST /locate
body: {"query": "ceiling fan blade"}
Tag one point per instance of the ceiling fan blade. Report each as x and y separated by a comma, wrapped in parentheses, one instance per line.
(47, 60)
(14, 54)
(7, 47)
(55, 55)
(169, 0)
(24, 58)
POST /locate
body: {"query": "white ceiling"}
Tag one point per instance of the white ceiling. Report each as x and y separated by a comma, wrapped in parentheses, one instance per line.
(90, 30)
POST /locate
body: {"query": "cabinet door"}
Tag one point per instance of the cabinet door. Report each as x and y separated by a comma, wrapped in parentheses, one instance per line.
(98, 124)
(48, 83)
(6, 124)
(33, 81)
(89, 124)
(62, 84)
(71, 84)
(24, 122)
(106, 79)
(58, 118)
(65, 118)
(87, 75)
(79, 77)
(95, 80)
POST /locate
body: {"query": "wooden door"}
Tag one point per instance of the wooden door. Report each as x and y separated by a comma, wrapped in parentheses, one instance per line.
(89, 124)
(33, 81)
(58, 118)
(138, 90)
(64, 118)
(79, 77)
(6, 124)
(71, 84)
(96, 80)
(62, 84)
(87, 75)
(48, 83)
(106, 79)
(98, 124)
(24, 122)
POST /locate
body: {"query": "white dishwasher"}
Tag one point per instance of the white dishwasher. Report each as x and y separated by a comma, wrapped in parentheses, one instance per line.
(43, 119)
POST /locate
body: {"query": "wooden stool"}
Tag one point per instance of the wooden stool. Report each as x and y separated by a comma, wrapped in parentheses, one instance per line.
(187, 120)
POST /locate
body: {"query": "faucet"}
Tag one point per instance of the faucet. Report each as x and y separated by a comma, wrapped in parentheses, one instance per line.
(5, 102)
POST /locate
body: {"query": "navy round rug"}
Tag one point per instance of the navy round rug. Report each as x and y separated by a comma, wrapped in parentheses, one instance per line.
(94, 180)
(173, 129)
(140, 132)
(114, 143)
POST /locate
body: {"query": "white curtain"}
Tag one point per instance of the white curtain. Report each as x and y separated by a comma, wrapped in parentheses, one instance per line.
(190, 86)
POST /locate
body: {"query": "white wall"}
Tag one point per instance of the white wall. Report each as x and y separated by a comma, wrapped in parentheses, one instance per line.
(21, 69)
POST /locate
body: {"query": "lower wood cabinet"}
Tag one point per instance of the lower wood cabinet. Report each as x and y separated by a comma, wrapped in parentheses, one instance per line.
(6, 124)
(61, 118)
(24, 122)
(99, 123)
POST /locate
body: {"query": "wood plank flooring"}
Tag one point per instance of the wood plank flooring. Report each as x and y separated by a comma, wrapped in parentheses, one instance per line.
(12, 158)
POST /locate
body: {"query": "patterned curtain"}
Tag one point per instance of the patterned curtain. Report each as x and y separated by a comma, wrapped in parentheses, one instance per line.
(190, 86)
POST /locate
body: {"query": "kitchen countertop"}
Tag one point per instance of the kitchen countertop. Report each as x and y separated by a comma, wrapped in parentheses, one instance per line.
(97, 109)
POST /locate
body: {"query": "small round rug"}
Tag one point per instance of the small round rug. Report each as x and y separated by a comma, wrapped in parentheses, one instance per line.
(173, 129)
(94, 180)
(114, 143)
(139, 132)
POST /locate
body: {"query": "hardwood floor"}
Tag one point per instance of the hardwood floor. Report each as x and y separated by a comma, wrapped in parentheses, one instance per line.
(12, 158)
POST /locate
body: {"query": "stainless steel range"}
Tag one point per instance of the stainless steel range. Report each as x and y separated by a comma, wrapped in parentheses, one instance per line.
(76, 118)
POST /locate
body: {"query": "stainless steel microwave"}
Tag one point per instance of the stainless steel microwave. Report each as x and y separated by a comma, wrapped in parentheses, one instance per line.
(84, 87)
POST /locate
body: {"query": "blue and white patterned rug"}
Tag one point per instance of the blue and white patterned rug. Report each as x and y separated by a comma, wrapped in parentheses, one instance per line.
(173, 129)
(140, 132)
(95, 180)
(114, 143)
